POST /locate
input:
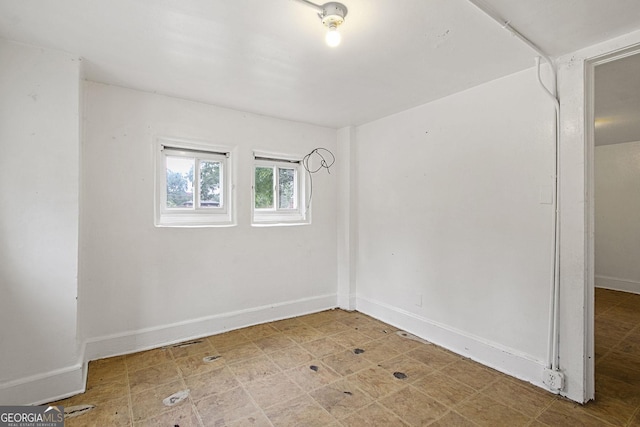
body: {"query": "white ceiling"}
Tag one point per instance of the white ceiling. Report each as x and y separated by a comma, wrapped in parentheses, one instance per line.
(269, 56)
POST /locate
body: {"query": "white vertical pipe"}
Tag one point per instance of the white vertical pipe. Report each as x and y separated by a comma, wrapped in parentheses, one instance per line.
(554, 312)
(554, 309)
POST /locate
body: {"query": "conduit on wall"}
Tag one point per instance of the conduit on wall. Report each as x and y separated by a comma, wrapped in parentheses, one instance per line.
(555, 382)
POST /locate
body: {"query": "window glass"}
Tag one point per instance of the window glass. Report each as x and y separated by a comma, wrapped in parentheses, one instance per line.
(179, 182)
(264, 188)
(287, 188)
(210, 185)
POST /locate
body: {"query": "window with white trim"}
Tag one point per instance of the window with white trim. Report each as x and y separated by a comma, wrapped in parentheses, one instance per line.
(193, 185)
(278, 190)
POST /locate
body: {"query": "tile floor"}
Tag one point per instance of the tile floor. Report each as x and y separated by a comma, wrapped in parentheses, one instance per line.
(307, 372)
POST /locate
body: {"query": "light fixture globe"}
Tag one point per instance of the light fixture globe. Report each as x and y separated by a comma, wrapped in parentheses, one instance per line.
(333, 37)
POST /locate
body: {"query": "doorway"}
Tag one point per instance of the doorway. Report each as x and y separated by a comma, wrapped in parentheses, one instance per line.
(613, 146)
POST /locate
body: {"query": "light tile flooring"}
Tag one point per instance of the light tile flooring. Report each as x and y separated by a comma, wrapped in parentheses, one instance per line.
(309, 371)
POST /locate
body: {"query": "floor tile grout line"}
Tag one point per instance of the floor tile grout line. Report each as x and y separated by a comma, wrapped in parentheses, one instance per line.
(544, 409)
(260, 409)
(613, 347)
(463, 416)
(168, 409)
(393, 412)
(241, 383)
(129, 394)
(389, 411)
(635, 414)
(282, 371)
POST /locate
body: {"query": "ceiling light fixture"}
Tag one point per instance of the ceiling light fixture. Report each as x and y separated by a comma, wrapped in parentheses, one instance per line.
(332, 16)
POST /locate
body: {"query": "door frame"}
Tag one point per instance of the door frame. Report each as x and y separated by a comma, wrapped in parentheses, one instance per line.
(589, 69)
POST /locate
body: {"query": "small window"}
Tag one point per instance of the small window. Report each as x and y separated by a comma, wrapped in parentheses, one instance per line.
(278, 191)
(193, 186)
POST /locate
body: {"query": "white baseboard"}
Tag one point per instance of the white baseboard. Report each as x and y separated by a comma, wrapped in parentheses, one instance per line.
(43, 388)
(493, 355)
(65, 382)
(144, 339)
(617, 284)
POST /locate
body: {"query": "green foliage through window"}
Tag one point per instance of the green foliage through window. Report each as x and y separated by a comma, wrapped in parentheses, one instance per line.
(264, 188)
(275, 188)
(209, 183)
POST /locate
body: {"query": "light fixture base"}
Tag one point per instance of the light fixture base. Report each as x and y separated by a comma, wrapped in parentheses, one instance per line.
(333, 14)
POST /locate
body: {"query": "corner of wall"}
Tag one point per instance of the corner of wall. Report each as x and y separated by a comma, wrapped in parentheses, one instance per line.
(347, 218)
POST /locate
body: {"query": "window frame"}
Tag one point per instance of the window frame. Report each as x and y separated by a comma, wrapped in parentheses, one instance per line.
(195, 216)
(280, 216)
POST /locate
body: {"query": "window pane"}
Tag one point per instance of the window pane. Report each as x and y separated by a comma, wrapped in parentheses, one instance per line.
(286, 188)
(210, 190)
(180, 182)
(264, 188)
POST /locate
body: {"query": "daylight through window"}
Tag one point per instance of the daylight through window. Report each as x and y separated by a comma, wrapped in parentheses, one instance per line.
(278, 191)
(193, 187)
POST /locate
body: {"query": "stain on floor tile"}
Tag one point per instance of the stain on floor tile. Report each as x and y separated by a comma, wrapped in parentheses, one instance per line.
(346, 362)
(341, 398)
(310, 379)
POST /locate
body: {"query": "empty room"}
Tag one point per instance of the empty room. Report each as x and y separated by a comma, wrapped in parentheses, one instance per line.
(290, 213)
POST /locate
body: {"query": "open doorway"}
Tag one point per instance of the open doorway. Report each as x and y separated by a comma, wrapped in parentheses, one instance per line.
(615, 221)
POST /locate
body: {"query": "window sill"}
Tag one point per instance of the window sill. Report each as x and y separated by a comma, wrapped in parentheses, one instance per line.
(278, 219)
(279, 224)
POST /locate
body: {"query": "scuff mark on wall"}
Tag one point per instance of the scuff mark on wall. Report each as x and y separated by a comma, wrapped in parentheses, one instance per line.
(442, 38)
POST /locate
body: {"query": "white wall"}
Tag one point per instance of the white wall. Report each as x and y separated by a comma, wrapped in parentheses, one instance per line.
(455, 222)
(39, 146)
(617, 224)
(142, 286)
